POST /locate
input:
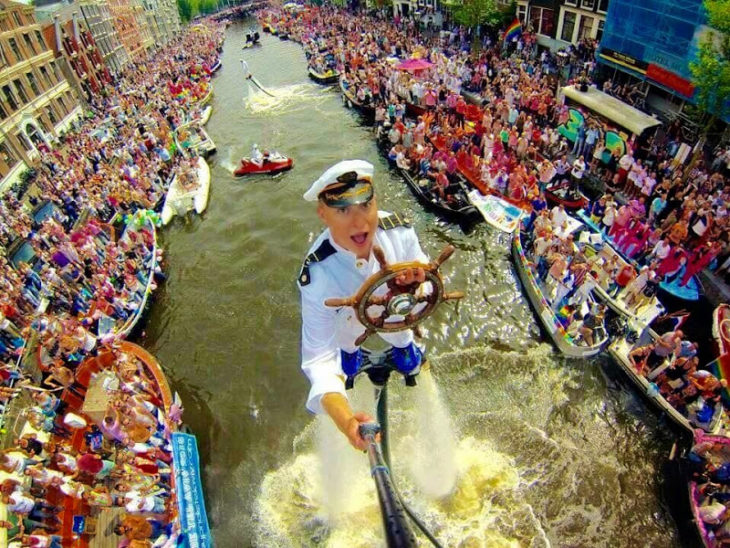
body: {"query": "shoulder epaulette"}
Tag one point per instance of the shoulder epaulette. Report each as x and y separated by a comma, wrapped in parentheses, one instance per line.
(324, 250)
(392, 221)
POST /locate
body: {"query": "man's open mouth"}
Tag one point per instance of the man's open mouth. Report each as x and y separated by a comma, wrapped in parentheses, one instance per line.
(360, 238)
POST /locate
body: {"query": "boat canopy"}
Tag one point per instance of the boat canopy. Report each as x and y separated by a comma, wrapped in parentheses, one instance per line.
(612, 108)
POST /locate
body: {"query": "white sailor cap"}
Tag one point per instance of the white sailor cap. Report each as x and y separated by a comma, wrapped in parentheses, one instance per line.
(349, 174)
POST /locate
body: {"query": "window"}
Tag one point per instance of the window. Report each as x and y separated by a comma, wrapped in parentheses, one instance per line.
(52, 114)
(21, 91)
(16, 50)
(18, 19)
(29, 43)
(6, 155)
(599, 31)
(56, 72)
(41, 41)
(33, 83)
(3, 112)
(603, 6)
(9, 96)
(588, 4)
(586, 27)
(61, 107)
(542, 20)
(568, 26)
(46, 76)
(522, 13)
(22, 138)
(571, 2)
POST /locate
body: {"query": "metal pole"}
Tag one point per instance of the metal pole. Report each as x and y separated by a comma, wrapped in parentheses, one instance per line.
(382, 413)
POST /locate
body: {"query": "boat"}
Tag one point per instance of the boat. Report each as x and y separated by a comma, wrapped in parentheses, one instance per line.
(718, 454)
(180, 200)
(207, 97)
(204, 116)
(721, 328)
(330, 76)
(252, 38)
(215, 68)
(593, 244)
(561, 194)
(108, 328)
(458, 210)
(193, 137)
(473, 176)
(271, 164)
(565, 340)
(283, 36)
(499, 213)
(620, 349)
(692, 291)
(95, 378)
(366, 110)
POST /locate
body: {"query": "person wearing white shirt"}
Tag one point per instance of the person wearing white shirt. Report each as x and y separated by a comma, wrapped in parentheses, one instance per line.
(338, 263)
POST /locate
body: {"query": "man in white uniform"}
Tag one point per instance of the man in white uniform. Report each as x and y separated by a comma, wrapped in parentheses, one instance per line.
(338, 263)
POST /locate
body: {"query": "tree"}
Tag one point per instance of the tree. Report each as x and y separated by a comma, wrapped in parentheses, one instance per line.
(711, 71)
(187, 9)
(472, 13)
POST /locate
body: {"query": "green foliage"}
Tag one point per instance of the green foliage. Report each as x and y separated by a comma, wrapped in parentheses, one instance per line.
(711, 69)
(718, 14)
(472, 13)
(187, 9)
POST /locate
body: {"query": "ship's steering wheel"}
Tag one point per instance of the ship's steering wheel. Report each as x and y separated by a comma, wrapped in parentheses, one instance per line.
(407, 302)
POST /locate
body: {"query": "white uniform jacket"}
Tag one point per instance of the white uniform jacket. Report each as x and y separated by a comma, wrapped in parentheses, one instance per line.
(331, 271)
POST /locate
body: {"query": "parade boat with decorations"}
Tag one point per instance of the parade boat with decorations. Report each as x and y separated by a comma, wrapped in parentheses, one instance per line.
(562, 194)
(705, 468)
(348, 96)
(188, 191)
(104, 319)
(455, 208)
(639, 307)
(192, 137)
(563, 328)
(672, 285)
(645, 376)
(97, 408)
(721, 328)
(473, 176)
(498, 212)
(216, 67)
(271, 163)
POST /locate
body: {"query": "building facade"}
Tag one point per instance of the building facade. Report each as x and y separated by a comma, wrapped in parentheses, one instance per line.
(658, 54)
(559, 23)
(70, 39)
(99, 21)
(36, 101)
(128, 18)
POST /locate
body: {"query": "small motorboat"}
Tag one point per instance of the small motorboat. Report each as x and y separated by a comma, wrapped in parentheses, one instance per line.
(252, 39)
(571, 199)
(271, 163)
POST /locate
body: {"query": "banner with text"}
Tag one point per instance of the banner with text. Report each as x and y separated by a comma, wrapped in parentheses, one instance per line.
(190, 503)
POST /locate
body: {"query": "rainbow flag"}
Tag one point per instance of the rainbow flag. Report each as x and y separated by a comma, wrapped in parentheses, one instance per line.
(721, 369)
(513, 31)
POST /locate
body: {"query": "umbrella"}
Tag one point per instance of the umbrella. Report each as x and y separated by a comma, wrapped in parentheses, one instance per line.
(413, 65)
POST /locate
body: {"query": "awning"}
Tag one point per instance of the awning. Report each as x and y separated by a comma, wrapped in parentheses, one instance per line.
(614, 109)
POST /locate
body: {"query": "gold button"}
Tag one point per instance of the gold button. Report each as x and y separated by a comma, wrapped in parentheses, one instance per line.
(360, 263)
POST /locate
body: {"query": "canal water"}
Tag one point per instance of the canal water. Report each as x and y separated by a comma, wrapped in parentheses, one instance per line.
(506, 443)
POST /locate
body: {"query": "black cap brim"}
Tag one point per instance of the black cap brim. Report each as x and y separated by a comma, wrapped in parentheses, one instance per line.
(359, 192)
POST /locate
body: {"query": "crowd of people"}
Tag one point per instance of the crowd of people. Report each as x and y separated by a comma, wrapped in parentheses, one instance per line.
(710, 469)
(78, 260)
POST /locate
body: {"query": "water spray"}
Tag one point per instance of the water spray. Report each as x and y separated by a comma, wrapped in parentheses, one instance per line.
(250, 76)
